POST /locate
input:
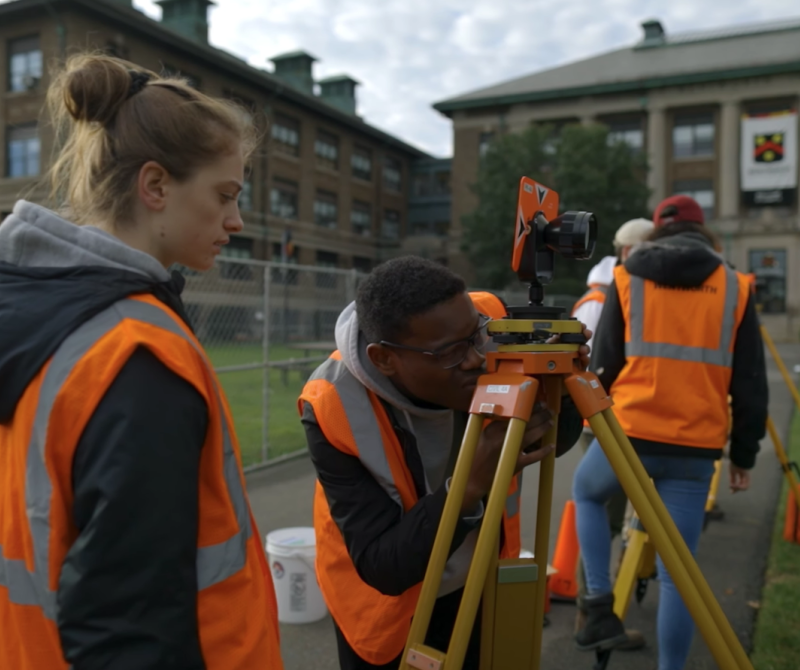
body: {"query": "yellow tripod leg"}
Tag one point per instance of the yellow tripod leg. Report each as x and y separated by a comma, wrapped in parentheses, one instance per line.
(630, 569)
(714, 488)
(485, 547)
(783, 459)
(441, 545)
(708, 615)
(779, 362)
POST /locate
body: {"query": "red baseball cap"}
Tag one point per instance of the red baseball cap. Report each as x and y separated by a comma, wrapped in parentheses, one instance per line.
(678, 208)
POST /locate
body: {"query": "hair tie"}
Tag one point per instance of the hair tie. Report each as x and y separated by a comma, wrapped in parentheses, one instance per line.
(138, 81)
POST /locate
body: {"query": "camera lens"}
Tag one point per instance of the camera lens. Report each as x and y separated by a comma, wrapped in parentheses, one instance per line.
(573, 234)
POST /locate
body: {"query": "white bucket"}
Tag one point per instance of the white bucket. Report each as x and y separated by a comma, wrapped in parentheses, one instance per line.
(291, 553)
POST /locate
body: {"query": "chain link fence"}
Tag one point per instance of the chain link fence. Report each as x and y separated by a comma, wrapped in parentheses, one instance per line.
(266, 326)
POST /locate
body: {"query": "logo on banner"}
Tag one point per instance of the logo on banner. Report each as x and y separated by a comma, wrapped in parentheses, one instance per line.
(768, 148)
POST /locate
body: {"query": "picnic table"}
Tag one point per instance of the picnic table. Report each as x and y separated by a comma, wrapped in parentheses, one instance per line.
(309, 362)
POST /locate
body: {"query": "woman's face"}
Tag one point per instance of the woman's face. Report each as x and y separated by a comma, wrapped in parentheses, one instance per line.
(201, 214)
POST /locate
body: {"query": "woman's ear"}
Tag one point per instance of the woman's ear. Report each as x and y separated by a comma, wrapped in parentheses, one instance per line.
(152, 186)
(382, 358)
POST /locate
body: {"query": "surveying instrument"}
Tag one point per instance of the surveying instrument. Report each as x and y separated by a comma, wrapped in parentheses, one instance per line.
(530, 365)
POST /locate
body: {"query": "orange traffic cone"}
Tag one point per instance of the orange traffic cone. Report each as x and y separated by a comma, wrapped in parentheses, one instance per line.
(791, 524)
(564, 583)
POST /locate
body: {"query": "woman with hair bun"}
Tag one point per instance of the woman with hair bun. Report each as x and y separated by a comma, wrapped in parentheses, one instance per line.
(126, 538)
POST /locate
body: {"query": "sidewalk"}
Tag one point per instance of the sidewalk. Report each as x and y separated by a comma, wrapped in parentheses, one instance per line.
(732, 553)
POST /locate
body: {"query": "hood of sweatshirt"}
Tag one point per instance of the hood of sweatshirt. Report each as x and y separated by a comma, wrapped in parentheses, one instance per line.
(54, 276)
(603, 272)
(686, 259)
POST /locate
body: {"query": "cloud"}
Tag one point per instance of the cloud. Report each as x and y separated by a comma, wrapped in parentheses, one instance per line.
(408, 54)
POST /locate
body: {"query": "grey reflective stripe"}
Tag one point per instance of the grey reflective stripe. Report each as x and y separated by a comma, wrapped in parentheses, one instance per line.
(721, 355)
(512, 502)
(214, 563)
(363, 423)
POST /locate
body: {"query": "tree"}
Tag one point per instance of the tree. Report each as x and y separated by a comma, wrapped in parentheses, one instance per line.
(587, 172)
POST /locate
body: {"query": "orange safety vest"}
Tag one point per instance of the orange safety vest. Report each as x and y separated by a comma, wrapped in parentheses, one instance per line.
(679, 356)
(596, 292)
(236, 607)
(355, 422)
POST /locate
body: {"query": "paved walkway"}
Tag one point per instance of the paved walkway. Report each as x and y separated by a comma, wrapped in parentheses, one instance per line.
(732, 553)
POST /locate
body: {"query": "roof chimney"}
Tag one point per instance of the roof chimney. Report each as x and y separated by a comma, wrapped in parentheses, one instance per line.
(187, 17)
(295, 69)
(340, 92)
(654, 33)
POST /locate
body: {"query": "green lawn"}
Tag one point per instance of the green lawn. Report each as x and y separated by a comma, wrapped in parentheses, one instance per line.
(244, 393)
(777, 639)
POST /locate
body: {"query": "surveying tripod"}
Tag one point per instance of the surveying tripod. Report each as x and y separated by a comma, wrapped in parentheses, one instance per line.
(530, 366)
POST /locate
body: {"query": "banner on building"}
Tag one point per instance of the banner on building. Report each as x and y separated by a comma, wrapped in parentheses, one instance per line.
(769, 158)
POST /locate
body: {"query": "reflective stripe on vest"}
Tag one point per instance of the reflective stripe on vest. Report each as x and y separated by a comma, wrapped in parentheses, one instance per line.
(363, 422)
(722, 355)
(215, 563)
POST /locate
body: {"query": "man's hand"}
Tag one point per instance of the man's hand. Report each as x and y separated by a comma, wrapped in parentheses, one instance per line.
(740, 478)
(583, 350)
(488, 451)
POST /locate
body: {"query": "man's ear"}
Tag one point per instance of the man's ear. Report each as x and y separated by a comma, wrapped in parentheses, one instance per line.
(382, 358)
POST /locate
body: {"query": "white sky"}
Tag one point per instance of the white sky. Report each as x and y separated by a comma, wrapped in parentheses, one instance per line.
(408, 54)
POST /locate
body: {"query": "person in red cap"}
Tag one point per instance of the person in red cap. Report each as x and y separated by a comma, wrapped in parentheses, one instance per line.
(678, 335)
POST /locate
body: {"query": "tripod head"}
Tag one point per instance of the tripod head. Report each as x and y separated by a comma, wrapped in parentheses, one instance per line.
(541, 233)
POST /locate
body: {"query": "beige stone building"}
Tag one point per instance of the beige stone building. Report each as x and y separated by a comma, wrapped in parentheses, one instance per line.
(716, 113)
(337, 185)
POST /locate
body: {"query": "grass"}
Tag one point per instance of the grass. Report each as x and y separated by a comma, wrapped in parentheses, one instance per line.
(777, 638)
(244, 393)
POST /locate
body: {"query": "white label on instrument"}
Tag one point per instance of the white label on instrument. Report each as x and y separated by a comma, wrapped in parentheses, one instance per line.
(496, 388)
(594, 383)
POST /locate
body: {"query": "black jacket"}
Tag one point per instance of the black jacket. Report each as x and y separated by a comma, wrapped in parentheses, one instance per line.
(390, 549)
(127, 594)
(687, 260)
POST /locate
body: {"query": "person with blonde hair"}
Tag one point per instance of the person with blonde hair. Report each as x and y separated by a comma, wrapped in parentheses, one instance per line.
(126, 537)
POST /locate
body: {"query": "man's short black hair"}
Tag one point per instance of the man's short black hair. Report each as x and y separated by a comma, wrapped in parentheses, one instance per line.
(400, 289)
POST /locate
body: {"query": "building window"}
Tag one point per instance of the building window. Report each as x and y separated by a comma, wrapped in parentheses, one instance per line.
(284, 275)
(327, 150)
(237, 248)
(326, 211)
(626, 131)
(283, 199)
(246, 195)
(390, 227)
(326, 259)
(285, 134)
(769, 267)
(24, 64)
(23, 151)
(693, 135)
(392, 174)
(361, 162)
(172, 71)
(432, 183)
(484, 142)
(362, 264)
(701, 190)
(361, 218)
(437, 228)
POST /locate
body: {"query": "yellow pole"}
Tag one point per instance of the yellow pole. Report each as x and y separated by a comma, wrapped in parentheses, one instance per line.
(784, 460)
(779, 362)
(486, 545)
(541, 551)
(677, 544)
(714, 488)
(444, 536)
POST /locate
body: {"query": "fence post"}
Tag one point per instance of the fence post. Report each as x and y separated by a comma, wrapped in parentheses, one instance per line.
(265, 369)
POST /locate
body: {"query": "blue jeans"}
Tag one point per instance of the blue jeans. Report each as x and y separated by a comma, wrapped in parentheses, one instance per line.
(682, 483)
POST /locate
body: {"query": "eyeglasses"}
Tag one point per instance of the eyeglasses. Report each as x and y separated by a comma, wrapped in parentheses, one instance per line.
(453, 354)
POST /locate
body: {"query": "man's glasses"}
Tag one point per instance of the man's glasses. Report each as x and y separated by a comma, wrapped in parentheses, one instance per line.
(453, 354)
